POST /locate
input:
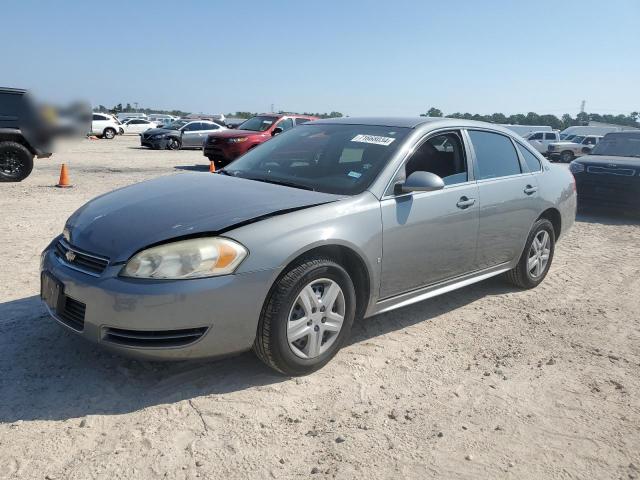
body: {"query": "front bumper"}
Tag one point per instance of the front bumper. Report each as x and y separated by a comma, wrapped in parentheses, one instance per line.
(225, 153)
(155, 143)
(608, 190)
(148, 319)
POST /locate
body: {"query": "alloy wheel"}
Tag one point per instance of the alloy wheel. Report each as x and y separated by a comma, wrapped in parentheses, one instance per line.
(539, 254)
(316, 318)
(10, 163)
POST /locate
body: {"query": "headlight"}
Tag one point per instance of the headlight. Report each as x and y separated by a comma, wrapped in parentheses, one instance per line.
(575, 167)
(237, 140)
(196, 258)
(159, 135)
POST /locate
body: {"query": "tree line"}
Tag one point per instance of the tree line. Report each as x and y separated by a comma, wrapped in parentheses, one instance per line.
(532, 118)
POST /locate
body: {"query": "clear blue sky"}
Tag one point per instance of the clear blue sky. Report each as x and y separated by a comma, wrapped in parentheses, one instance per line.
(360, 58)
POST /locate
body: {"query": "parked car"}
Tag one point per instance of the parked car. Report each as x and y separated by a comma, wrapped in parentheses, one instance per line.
(524, 130)
(281, 250)
(541, 140)
(225, 146)
(106, 126)
(179, 134)
(578, 146)
(127, 115)
(610, 174)
(594, 128)
(21, 138)
(135, 126)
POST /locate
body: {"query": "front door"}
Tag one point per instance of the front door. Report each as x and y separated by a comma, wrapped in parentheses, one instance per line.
(429, 237)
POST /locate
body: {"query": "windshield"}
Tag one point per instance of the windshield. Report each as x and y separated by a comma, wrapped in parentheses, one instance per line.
(619, 145)
(577, 139)
(339, 159)
(258, 124)
(176, 125)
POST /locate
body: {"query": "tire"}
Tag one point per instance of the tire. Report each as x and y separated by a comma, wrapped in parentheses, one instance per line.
(567, 156)
(16, 162)
(522, 276)
(272, 343)
(109, 133)
(173, 144)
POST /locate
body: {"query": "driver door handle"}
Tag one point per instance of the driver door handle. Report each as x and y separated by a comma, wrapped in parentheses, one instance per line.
(530, 189)
(465, 202)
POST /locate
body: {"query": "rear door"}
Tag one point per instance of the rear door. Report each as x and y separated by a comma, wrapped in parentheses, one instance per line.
(429, 237)
(507, 194)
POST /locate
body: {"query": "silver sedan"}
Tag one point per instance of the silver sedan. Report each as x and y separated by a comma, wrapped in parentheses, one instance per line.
(280, 251)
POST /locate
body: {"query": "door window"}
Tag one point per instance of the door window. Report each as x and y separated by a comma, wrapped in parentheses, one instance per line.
(300, 121)
(286, 124)
(536, 136)
(550, 136)
(590, 141)
(530, 159)
(495, 155)
(441, 154)
(192, 127)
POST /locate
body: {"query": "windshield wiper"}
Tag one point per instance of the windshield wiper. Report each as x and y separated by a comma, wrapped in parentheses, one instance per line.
(222, 171)
(281, 182)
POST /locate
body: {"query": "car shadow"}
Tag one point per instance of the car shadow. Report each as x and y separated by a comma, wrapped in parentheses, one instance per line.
(49, 373)
(604, 215)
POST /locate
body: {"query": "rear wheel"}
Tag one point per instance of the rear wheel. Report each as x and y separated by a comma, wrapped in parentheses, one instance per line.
(109, 133)
(307, 317)
(16, 162)
(566, 156)
(536, 257)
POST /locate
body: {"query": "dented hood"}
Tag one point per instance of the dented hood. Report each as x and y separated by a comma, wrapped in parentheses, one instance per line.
(120, 223)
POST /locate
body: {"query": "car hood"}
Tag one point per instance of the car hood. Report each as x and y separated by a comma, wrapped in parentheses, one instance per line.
(155, 131)
(121, 223)
(611, 160)
(231, 133)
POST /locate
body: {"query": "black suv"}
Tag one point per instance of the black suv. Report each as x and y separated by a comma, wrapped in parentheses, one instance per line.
(22, 136)
(610, 174)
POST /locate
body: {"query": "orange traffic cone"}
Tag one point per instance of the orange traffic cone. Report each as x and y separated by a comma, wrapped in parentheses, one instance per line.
(212, 167)
(64, 177)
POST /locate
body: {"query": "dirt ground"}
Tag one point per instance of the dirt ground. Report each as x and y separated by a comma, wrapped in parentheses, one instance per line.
(485, 382)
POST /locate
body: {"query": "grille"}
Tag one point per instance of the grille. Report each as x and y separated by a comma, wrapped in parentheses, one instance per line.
(623, 172)
(153, 338)
(79, 260)
(72, 313)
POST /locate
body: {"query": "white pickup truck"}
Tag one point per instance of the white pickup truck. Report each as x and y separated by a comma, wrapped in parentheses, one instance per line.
(578, 146)
(541, 140)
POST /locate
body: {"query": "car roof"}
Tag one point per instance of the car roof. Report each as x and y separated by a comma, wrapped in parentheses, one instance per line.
(413, 122)
(280, 115)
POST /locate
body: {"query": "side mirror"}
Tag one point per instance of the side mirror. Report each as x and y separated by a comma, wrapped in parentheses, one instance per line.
(419, 182)
(276, 131)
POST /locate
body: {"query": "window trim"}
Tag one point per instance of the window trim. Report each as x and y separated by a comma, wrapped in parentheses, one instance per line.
(388, 190)
(524, 170)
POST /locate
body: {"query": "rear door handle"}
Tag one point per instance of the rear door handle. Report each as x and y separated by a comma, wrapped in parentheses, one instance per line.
(530, 189)
(465, 202)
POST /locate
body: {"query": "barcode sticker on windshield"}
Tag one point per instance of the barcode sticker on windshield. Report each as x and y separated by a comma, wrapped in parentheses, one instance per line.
(375, 139)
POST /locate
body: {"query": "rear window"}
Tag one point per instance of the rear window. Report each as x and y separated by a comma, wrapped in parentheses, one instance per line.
(495, 155)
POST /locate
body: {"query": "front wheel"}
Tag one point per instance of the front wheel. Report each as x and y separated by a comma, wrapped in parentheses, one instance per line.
(109, 133)
(566, 156)
(306, 318)
(536, 257)
(173, 144)
(16, 162)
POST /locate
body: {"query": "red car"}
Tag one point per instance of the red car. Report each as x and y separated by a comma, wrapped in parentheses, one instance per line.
(225, 146)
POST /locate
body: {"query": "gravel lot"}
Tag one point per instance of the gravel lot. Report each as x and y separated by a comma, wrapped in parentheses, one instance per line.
(485, 382)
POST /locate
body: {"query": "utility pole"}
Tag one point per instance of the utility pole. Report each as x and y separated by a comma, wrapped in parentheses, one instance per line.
(272, 108)
(582, 106)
